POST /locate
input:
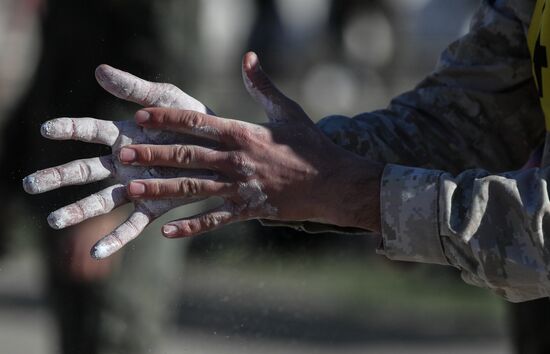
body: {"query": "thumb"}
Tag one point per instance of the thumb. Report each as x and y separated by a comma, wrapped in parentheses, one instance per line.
(277, 106)
(145, 93)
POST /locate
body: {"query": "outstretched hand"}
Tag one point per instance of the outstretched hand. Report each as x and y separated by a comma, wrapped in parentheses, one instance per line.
(116, 135)
(180, 153)
(286, 169)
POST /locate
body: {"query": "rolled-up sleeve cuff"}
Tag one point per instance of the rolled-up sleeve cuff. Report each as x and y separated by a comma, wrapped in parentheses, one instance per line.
(409, 212)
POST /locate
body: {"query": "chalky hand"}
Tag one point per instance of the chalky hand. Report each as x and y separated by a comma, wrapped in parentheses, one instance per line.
(116, 135)
(286, 169)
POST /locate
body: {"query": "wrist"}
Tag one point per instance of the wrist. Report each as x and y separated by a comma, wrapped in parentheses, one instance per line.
(356, 194)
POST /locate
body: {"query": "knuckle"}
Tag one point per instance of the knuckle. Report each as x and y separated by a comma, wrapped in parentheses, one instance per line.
(242, 134)
(240, 164)
(183, 154)
(190, 118)
(190, 227)
(261, 133)
(151, 93)
(236, 159)
(85, 171)
(168, 87)
(209, 221)
(160, 116)
(168, 94)
(153, 188)
(101, 201)
(165, 188)
(95, 129)
(133, 227)
(188, 187)
(146, 154)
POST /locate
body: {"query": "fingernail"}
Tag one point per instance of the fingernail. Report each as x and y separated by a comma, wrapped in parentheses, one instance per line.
(127, 155)
(136, 188)
(169, 230)
(252, 61)
(142, 117)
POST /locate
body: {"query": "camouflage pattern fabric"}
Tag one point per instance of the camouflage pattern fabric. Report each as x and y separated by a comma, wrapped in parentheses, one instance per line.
(474, 118)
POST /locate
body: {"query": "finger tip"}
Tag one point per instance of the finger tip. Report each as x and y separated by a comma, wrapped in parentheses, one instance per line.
(31, 185)
(104, 70)
(56, 221)
(58, 128)
(135, 189)
(250, 61)
(127, 155)
(101, 250)
(101, 72)
(142, 116)
(46, 129)
(170, 231)
(110, 79)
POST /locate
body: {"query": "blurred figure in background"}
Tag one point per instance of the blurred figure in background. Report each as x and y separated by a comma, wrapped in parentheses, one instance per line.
(18, 28)
(79, 36)
(117, 305)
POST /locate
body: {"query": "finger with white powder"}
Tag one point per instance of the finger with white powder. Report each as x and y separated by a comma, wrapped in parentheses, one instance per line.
(123, 234)
(145, 93)
(88, 130)
(94, 205)
(72, 173)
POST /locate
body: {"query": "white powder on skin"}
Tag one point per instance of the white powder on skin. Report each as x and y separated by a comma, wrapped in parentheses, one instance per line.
(104, 249)
(116, 135)
(84, 129)
(93, 205)
(274, 111)
(207, 132)
(246, 169)
(30, 185)
(123, 234)
(145, 212)
(148, 94)
(251, 192)
(72, 173)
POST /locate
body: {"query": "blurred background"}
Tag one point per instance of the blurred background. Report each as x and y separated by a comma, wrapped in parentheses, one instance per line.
(246, 288)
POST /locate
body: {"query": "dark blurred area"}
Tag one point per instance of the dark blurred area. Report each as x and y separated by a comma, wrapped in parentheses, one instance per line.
(245, 288)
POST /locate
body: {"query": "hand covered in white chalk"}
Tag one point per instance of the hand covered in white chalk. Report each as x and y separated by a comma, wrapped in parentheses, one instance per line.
(115, 135)
(286, 169)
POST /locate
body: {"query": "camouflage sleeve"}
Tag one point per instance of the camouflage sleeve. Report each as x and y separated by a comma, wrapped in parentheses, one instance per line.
(491, 227)
(478, 109)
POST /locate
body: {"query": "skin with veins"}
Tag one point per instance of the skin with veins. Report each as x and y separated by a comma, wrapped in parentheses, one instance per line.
(286, 169)
(116, 135)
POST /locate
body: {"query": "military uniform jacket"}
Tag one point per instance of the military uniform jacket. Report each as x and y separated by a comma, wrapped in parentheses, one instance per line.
(453, 192)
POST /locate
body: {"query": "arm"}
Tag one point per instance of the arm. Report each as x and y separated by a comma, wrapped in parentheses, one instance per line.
(286, 169)
(470, 112)
(492, 227)
(479, 108)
